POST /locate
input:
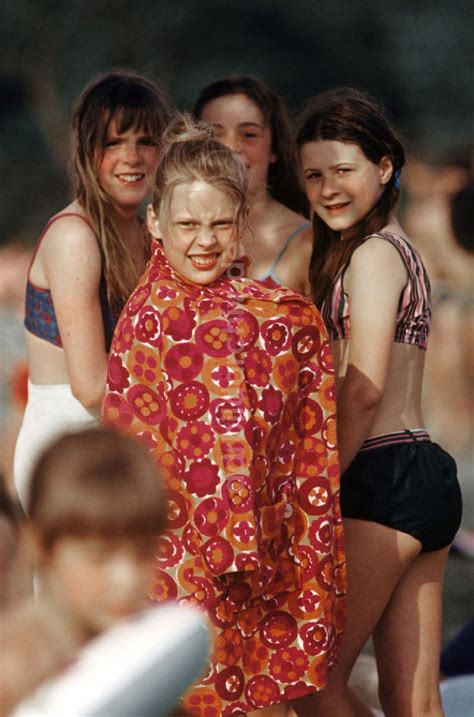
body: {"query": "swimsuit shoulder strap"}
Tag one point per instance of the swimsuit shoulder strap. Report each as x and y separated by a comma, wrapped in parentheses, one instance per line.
(48, 225)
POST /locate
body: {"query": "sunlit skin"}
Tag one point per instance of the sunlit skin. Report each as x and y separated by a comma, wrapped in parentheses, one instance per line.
(127, 166)
(199, 233)
(91, 583)
(342, 185)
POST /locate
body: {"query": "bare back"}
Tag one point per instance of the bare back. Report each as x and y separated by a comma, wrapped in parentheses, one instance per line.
(400, 407)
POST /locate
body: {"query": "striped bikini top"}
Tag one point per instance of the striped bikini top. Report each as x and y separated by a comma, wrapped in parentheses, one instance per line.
(40, 316)
(414, 308)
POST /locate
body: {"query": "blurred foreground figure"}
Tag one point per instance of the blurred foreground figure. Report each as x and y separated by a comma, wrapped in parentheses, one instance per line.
(96, 508)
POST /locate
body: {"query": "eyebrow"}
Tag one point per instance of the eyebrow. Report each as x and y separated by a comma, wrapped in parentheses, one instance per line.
(332, 166)
(241, 124)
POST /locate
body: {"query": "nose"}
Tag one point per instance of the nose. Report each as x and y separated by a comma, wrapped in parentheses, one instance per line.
(124, 575)
(131, 153)
(329, 187)
(206, 237)
(231, 141)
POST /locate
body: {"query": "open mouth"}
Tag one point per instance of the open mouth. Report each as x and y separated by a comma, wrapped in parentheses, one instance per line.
(204, 262)
(131, 178)
(334, 208)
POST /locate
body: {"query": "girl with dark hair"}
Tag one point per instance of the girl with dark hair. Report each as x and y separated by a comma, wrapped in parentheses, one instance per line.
(88, 259)
(400, 498)
(251, 119)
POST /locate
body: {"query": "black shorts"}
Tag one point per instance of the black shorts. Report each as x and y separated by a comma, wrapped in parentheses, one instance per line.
(406, 482)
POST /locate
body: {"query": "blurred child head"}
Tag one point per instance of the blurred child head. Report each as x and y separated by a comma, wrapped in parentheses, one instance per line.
(199, 201)
(97, 508)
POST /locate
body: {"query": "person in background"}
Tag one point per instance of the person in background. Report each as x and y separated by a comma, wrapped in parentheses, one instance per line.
(249, 118)
(400, 498)
(229, 383)
(88, 259)
(96, 509)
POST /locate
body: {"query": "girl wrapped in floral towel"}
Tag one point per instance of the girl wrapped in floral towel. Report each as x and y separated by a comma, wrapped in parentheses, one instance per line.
(230, 385)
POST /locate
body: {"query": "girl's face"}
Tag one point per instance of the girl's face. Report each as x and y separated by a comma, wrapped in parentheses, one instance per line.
(127, 166)
(200, 235)
(239, 124)
(93, 582)
(341, 184)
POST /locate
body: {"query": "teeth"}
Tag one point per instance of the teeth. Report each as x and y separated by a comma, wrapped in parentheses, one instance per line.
(202, 261)
(131, 177)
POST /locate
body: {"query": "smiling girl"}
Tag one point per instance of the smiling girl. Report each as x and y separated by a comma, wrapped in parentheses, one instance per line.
(88, 259)
(400, 497)
(249, 118)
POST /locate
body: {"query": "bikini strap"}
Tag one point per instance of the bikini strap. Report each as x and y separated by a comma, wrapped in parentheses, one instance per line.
(285, 246)
(48, 224)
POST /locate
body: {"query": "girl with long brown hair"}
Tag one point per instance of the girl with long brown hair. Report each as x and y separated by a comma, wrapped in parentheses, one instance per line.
(249, 118)
(88, 259)
(400, 498)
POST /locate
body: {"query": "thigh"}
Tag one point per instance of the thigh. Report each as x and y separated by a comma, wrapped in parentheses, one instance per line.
(377, 557)
(407, 638)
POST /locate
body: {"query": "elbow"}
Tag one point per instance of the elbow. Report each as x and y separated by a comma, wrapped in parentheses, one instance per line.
(368, 399)
(360, 391)
(90, 396)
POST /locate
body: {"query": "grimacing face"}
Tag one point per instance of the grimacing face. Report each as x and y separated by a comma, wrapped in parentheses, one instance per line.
(200, 234)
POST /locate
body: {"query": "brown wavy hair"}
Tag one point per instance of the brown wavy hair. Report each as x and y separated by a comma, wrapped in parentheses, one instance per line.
(134, 102)
(352, 116)
(283, 182)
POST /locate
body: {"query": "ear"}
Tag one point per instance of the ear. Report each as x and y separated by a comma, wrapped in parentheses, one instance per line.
(385, 169)
(273, 158)
(153, 222)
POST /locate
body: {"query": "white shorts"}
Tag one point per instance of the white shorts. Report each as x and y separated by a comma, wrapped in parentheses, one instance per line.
(51, 410)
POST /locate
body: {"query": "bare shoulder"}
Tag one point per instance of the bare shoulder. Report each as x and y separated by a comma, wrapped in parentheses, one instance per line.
(70, 242)
(377, 254)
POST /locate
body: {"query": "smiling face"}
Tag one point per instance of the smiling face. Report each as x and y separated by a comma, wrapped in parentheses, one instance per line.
(127, 166)
(239, 124)
(200, 232)
(341, 184)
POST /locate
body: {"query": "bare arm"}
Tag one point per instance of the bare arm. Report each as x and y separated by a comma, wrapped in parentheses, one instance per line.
(72, 266)
(374, 281)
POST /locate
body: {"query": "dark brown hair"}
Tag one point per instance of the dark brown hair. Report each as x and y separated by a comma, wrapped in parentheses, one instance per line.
(283, 183)
(352, 116)
(95, 482)
(134, 103)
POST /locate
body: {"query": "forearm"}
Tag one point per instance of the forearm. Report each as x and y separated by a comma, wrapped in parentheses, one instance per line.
(358, 403)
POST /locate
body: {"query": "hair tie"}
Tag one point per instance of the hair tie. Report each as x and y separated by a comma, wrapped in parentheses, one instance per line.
(396, 179)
